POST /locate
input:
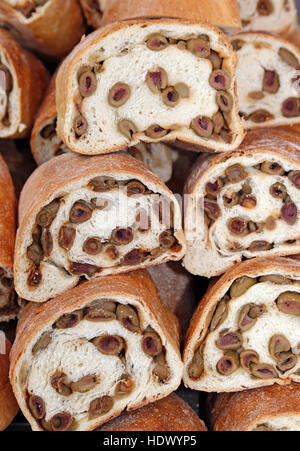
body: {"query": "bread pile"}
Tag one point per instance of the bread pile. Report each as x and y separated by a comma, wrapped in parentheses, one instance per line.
(160, 214)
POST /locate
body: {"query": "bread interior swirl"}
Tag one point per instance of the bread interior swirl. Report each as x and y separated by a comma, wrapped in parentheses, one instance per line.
(267, 15)
(269, 95)
(144, 98)
(252, 337)
(100, 226)
(76, 364)
(245, 206)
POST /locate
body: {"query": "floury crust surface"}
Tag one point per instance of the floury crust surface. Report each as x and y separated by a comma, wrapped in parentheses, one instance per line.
(224, 14)
(274, 408)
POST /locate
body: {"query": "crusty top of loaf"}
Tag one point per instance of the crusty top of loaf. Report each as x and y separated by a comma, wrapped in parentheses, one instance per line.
(168, 414)
(65, 169)
(8, 212)
(31, 80)
(243, 410)
(222, 14)
(8, 404)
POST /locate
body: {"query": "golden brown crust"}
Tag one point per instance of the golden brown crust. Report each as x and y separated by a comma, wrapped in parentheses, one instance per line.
(8, 206)
(46, 112)
(294, 37)
(8, 212)
(222, 14)
(32, 79)
(92, 12)
(243, 410)
(64, 80)
(53, 33)
(268, 139)
(168, 414)
(136, 285)
(266, 34)
(295, 128)
(8, 405)
(201, 319)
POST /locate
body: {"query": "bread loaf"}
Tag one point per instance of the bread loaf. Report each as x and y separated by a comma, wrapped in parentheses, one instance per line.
(89, 217)
(150, 81)
(9, 308)
(98, 349)
(268, 94)
(23, 80)
(8, 405)
(243, 204)
(50, 27)
(245, 331)
(274, 408)
(167, 414)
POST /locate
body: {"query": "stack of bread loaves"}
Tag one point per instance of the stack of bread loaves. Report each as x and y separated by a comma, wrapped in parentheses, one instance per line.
(167, 148)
